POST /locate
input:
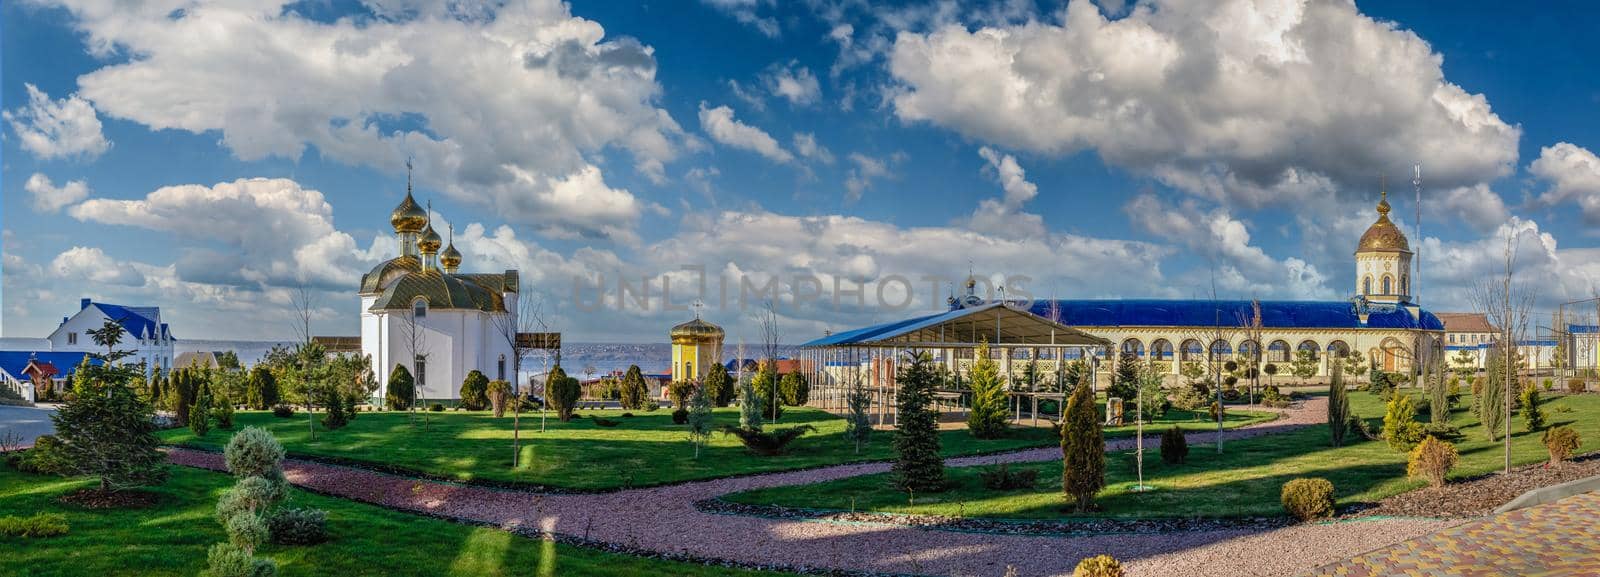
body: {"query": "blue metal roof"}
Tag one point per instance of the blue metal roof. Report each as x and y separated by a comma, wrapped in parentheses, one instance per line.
(138, 321)
(12, 362)
(1205, 313)
(868, 333)
(1583, 329)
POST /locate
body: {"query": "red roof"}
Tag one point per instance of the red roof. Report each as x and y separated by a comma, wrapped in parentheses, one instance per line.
(41, 368)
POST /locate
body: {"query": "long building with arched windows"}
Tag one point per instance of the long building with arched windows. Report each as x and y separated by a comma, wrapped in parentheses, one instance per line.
(1381, 320)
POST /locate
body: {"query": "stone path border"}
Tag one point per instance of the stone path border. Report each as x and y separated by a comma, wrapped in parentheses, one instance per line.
(665, 521)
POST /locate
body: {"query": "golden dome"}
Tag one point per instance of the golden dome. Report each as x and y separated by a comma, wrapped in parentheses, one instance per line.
(429, 241)
(697, 329)
(450, 259)
(408, 217)
(1383, 236)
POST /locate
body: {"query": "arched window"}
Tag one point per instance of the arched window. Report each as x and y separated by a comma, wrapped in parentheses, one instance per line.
(1161, 350)
(1386, 285)
(1366, 285)
(1338, 349)
(1133, 347)
(1309, 347)
(1248, 349)
(1278, 352)
(419, 308)
(1220, 350)
(688, 370)
(1405, 284)
(1192, 350)
(500, 369)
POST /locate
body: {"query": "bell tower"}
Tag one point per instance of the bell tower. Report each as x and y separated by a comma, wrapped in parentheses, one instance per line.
(1383, 260)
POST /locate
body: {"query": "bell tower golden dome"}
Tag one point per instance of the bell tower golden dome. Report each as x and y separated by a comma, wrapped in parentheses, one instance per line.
(1383, 260)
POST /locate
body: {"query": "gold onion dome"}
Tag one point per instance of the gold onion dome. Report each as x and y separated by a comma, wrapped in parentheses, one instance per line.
(409, 216)
(429, 241)
(1384, 236)
(697, 329)
(450, 258)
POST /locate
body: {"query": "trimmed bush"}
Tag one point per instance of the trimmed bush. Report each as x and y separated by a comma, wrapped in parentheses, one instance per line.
(47, 457)
(635, 393)
(499, 393)
(563, 392)
(474, 391)
(720, 385)
(680, 416)
(1308, 499)
(769, 443)
(299, 526)
(1576, 385)
(795, 389)
(1400, 426)
(436, 407)
(1532, 415)
(1174, 447)
(1098, 566)
(283, 411)
(35, 526)
(228, 560)
(1561, 442)
(402, 389)
(1431, 461)
(200, 413)
(254, 452)
(1004, 478)
(678, 393)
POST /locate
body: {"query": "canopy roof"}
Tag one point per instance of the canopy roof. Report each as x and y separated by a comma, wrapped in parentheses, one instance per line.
(995, 322)
(1227, 313)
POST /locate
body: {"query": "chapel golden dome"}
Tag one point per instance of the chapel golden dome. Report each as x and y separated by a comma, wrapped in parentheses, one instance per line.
(408, 217)
(429, 241)
(697, 329)
(1383, 235)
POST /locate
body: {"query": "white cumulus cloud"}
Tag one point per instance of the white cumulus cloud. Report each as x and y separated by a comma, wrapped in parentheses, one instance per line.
(61, 128)
(1573, 174)
(722, 127)
(49, 198)
(1256, 102)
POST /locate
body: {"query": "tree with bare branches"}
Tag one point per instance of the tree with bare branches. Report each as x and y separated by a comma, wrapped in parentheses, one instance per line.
(1506, 304)
(771, 335)
(528, 318)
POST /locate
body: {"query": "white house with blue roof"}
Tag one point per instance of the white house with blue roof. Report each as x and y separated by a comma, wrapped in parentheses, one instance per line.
(144, 333)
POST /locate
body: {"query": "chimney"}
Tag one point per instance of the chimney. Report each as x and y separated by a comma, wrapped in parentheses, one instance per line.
(83, 304)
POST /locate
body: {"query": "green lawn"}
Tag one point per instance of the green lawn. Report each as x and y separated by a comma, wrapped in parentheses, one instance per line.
(644, 450)
(172, 538)
(1244, 480)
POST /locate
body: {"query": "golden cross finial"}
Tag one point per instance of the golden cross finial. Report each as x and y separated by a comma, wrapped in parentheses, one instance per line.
(408, 175)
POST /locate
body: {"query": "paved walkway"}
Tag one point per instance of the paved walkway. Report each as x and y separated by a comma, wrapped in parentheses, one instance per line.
(1560, 538)
(27, 423)
(664, 519)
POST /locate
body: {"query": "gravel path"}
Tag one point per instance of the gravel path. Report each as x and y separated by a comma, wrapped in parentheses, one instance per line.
(664, 520)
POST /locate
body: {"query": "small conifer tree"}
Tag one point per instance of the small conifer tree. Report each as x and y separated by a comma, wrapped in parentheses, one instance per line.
(989, 414)
(1083, 448)
(402, 389)
(918, 466)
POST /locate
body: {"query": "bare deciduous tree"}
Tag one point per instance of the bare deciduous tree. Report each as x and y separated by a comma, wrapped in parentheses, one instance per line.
(528, 318)
(1506, 304)
(771, 335)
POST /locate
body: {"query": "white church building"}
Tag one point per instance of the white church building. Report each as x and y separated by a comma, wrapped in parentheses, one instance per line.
(418, 310)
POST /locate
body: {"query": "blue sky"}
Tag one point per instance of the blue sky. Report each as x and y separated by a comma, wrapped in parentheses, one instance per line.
(212, 159)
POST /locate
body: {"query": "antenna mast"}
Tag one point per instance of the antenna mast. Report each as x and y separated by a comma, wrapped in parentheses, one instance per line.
(1416, 258)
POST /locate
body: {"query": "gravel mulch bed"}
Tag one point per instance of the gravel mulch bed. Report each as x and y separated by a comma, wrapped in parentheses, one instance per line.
(1060, 528)
(1480, 496)
(96, 499)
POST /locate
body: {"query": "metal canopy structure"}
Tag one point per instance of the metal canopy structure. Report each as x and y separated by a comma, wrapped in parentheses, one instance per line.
(997, 323)
(1031, 351)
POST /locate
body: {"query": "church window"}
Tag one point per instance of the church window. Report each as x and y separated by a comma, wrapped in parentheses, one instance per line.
(1366, 286)
(419, 308)
(1386, 285)
(500, 369)
(1405, 284)
(421, 366)
(688, 370)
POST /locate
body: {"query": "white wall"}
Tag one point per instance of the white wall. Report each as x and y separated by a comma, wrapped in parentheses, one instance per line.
(153, 352)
